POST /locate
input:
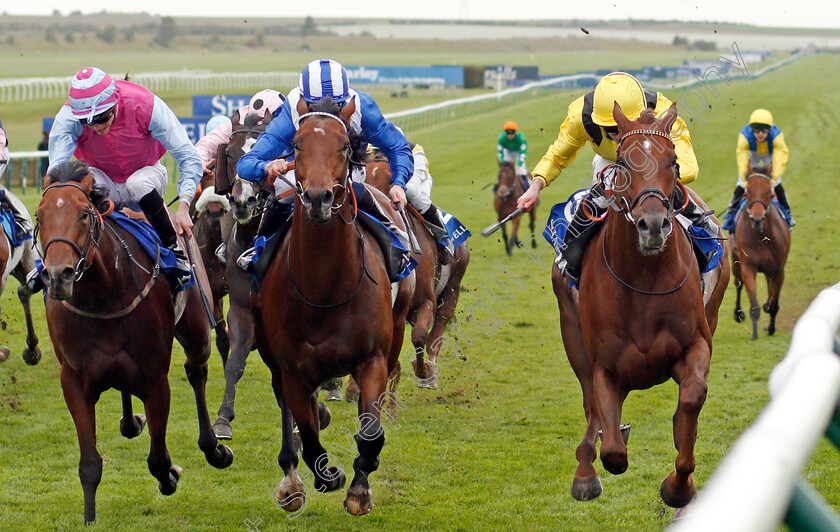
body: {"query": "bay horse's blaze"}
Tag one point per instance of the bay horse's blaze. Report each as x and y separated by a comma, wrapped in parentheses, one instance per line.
(105, 296)
(325, 310)
(762, 240)
(640, 319)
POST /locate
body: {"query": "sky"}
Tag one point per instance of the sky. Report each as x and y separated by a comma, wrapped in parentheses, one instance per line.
(788, 13)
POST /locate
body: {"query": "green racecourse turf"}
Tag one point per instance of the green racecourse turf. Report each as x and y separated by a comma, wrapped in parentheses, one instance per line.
(493, 447)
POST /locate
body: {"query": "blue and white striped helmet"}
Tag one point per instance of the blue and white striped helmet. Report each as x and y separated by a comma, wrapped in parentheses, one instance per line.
(323, 78)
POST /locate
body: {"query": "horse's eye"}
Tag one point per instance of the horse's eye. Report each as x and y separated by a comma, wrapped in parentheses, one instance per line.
(295, 146)
(84, 215)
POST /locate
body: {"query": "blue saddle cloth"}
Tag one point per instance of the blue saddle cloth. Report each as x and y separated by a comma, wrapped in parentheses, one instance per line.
(732, 219)
(458, 232)
(7, 220)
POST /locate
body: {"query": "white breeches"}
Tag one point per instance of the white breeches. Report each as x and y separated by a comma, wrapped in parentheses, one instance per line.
(139, 184)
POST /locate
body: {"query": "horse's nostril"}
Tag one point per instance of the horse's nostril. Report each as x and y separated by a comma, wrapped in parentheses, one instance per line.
(251, 202)
(45, 276)
(328, 197)
(68, 274)
(642, 226)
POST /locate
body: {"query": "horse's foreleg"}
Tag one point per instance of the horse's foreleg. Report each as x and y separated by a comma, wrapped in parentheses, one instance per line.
(505, 238)
(739, 284)
(514, 230)
(157, 413)
(290, 493)
(774, 288)
(222, 339)
(371, 438)
(532, 225)
(426, 372)
(131, 424)
(241, 323)
(84, 417)
(608, 407)
(678, 489)
(748, 274)
(31, 353)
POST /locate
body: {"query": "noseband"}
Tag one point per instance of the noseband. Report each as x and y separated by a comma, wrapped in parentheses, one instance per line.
(94, 233)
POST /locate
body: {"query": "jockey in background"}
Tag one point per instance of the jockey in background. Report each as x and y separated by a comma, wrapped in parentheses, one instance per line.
(590, 119)
(513, 148)
(121, 130)
(321, 80)
(23, 223)
(761, 145)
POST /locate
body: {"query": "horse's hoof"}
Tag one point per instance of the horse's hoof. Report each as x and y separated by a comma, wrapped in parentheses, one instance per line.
(324, 416)
(771, 330)
(625, 432)
(740, 316)
(335, 479)
(290, 493)
(31, 356)
(358, 501)
(334, 395)
(587, 489)
(132, 429)
(174, 476)
(674, 500)
(222, 429)
(4, 353)
(221, 457)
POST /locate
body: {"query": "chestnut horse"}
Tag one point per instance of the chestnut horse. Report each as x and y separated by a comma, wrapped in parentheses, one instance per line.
(640, 317)
(762, 242)
(246, 210)
(437, 287)
(112, 320)
(508, 190)
(327, 308)
(17, 261)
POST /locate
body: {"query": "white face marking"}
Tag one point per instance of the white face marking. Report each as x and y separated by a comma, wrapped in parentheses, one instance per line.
(320, 130)
(249, 143)
(646, 145)
(59, 203)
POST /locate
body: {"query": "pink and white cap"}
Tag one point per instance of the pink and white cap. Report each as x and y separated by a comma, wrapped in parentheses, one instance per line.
(266, 100)
(92, 92)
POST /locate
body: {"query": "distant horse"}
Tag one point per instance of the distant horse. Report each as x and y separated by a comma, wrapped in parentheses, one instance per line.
(246, 211)
(437, 287)
(641, 317)
(508, 190)
(327, 308)
(762, 241)
(112, 320)
(17, 261)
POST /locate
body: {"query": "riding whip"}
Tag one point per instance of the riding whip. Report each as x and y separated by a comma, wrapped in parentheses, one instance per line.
(495, 227)
(206, 304)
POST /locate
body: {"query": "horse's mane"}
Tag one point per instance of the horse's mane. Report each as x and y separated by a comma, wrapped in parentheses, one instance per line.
(647, 117)
(76, 171)
(325, 105)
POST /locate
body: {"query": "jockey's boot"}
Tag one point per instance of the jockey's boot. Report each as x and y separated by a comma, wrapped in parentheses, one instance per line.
(699, 218)
(579, 233)
(158, 215)
(397, 258)
(526, 180)
(23, 225)
(434, 219)
(276, 219)
(221, 252)
(782, 197)
(733, 203)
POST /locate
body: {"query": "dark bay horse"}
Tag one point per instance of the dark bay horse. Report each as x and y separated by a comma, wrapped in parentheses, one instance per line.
(762, 242)
(246, 212)
(642, 317)
(326, 308)
(437, 287)
(508, 190)
(17, 261)
(112, 321)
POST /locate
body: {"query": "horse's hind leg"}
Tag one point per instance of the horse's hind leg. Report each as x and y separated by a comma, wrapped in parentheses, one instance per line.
(739, 284)
(131, 424)
(84, 417)
(505, 238)
(514, 230)
(222, 339)
(533, 215)
(748, 276)
(774, 288)
(690, 373)
(370, 438)
(31, 353)
(241, 323)
(156, 400)
(426, 372)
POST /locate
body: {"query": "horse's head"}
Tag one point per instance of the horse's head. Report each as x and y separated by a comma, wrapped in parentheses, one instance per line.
(322, 157)
(69, 226)
(647, 175)
(507, 183)
(377, 170)
(759, 194)
(243, 194)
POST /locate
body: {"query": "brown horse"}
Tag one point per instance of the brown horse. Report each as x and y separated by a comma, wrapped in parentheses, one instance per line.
(246, 211)
(762, 242)
(327, 308)
(100, 318)
(17, 261)
(437, 287)
(640, 318)
(508, 190)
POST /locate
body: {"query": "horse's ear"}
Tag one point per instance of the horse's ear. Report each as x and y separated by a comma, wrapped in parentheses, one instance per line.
(621, 119)
(666, 120)
(222, 182)
(47, 181)
(87, 182)
(347, 111)
(234, 120)
(302, 107)
(269, 116)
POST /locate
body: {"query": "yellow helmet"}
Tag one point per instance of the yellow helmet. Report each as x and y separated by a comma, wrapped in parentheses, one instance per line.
(618, 87)
(510, 125)
(761, 116)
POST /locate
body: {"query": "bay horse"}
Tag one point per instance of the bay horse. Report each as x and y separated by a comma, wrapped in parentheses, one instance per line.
(762, 242)
(17, 261)
(641, 316)
(327, 308)
(112, 320)
(508, 190)
(247, 203)
(437, 287)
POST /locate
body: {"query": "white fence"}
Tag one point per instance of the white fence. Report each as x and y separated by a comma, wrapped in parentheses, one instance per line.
(752, 489)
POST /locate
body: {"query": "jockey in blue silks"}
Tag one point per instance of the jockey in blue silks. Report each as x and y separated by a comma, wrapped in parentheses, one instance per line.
(322, 79)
